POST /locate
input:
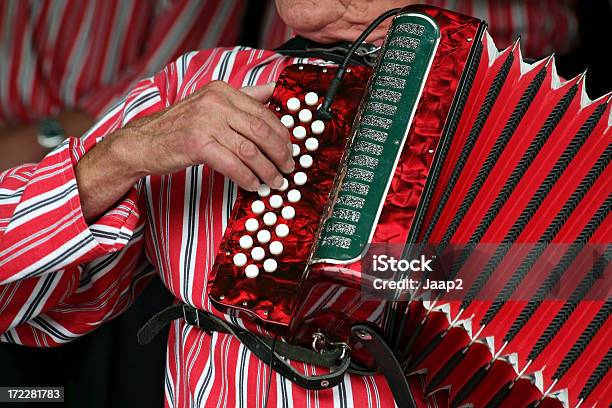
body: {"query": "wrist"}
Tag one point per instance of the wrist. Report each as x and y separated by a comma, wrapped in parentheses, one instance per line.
(125, 149)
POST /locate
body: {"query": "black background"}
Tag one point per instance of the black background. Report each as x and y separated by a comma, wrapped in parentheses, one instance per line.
(109, 369)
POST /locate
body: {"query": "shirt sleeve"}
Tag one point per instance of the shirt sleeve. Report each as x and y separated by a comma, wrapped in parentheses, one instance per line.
(178, 27)
(59, 277)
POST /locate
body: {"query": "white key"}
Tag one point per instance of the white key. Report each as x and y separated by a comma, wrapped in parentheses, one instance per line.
(306, 161)
(276, 201)
(293, 104)
(285, 185)
(311, 98)
(294, 196)
(251, 225)
(288, 121)
(269, 219)
(305, 116)
(295, 150)
(258, 253)
(264, 236)
(258, 207)
(282, 230)
(299, 132)
(276, 248)
(270, 265)
(288, 212)
(311, 144)
(317, 127)
(300, 178)
(245, 242)
(251, 271)
(240, 260)
(263, 190)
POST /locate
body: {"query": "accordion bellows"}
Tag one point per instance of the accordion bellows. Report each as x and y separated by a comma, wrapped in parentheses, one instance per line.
(464, 153)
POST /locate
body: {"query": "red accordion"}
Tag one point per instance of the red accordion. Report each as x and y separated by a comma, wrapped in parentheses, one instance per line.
(490, 171)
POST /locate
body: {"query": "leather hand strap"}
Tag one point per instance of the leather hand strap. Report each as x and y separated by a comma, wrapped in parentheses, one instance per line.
(386, 361)
(268, 351)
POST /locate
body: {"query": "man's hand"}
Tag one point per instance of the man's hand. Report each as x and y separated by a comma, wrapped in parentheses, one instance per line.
(229, 130)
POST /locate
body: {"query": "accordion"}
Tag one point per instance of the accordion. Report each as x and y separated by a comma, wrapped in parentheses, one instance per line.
(457, 203)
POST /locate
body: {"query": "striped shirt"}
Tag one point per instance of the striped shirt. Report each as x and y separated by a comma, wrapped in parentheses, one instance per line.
(74, 54)
(60, 278)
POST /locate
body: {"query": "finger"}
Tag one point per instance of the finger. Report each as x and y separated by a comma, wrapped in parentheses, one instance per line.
(223, 161)
(262, 93)
(254, 107)
(259, 132)
(253, 158)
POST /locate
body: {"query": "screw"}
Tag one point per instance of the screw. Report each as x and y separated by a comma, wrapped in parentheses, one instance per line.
(324, 70)
(222, 297)
(244, 304)
(324, 383)
(301, 67)
(363, 335)
(469, 39)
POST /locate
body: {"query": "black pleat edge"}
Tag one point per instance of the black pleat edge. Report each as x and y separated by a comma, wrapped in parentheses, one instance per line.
(568, 308)
(553, 229)
(535, 202)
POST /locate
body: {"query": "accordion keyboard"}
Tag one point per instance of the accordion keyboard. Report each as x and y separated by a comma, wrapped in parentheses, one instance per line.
(271, 233)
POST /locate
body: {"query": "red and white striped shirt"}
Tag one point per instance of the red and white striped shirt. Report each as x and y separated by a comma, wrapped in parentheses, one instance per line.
(74, 54)
(60, 278)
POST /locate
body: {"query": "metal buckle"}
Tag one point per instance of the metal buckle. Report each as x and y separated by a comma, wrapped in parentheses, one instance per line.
(192, 322)
(320, 343)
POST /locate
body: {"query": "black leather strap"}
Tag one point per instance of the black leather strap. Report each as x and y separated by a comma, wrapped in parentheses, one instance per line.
(267, 350)
(386, 361)
(301, 47)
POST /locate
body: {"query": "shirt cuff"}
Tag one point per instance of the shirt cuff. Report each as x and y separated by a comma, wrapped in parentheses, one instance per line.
(115, 228)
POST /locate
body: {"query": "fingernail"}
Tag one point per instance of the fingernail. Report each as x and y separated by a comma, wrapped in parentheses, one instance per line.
(253, 187)
(278, 182)
(290, 166)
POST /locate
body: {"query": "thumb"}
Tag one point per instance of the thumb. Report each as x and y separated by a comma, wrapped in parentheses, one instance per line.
(262, 92)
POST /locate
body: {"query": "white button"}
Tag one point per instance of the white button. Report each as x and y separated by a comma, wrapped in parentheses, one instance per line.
(276, 248)
(251, 224)
(288, 212)
(305, 115)
(258, 253)
(263, 190)
(300, 178)
(269, 219)
(317, 127)
(294, 196)
(264, 236)
(284, 186)
(246, 242)
(306, 161)
(311, 99)
(276, 201)
(299, 132)
(270, 265)
(288, 121)
(258, 206)
(293, 104)
(240, 259)
(311, 144)
(251, 271)
(295, 150)
(282, 230)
